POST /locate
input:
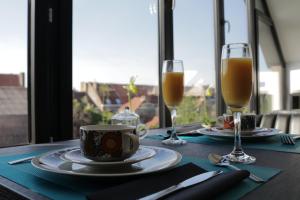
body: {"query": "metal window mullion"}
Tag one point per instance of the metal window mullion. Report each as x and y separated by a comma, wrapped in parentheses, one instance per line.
(166, 51)
(267, 20)
(51, 70)
(219, 36)
(252, 39)
(31, 72)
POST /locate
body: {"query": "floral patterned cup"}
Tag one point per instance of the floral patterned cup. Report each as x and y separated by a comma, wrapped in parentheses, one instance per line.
(248, 122)
(108, 142)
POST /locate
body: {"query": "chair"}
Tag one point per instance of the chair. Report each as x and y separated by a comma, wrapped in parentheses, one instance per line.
(267, 120)
(282, 122)
(295, 124)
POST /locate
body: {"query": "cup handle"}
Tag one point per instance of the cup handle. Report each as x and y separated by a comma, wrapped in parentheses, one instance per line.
(141, 130)
(134, 141)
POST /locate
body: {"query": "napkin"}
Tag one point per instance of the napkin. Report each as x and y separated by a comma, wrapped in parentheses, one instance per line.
(152, 183)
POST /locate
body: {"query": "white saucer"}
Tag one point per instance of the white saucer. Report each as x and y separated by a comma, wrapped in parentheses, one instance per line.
(265, 133)
(231, 131)
(75, 156)
(163, 159)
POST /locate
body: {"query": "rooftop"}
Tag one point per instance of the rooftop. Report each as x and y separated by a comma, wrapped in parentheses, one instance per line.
(13, 100)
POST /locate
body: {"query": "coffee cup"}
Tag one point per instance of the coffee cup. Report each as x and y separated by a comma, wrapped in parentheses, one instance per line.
(106, 143)
(248, 122)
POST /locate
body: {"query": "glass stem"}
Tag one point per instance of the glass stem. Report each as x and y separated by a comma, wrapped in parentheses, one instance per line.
(173, 118)
(238, 151)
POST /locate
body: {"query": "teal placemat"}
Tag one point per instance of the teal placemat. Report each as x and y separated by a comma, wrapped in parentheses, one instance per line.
(272, 143)
(63, 187)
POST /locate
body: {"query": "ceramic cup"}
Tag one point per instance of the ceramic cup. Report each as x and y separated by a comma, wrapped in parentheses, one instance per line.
(248, 122)
(108, 142)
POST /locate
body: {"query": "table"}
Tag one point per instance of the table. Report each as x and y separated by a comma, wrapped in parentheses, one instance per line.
(283, 186)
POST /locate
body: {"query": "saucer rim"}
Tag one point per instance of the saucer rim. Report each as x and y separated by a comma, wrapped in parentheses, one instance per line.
(108, 163)
(35, 162)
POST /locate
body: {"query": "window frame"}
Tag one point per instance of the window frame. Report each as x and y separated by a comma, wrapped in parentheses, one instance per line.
(50, 77)
(58, 115)
(166, 52)
(30, 99)
(219, 36)
(265, 17)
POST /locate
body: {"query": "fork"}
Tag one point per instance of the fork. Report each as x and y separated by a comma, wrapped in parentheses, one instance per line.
(13, 162)
(288, 139)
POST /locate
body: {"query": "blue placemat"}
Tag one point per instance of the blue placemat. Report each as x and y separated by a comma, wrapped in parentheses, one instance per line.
(272, 143)
(56, 186)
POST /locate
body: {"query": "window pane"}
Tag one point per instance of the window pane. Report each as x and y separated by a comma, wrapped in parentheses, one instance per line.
(269, 71)
(236, 21)
(236, 30)
(13, 72)
(114, 41)
(194, 44)
(295, 87)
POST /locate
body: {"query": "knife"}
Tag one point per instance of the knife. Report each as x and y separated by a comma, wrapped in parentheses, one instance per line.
(187, 183)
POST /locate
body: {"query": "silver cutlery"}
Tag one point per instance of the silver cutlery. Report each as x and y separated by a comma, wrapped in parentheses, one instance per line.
(13, 162)
(289, 139)
(189, 182)
(180, 133)
(220, 161)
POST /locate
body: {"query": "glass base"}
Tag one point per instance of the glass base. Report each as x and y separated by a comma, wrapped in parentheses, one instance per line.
(240, 158)
(172, 141)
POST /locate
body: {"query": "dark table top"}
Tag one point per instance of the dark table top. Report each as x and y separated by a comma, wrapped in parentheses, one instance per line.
(283, 186)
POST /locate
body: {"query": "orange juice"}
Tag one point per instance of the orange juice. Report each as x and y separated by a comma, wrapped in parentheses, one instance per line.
(236, 77)
(172, 85)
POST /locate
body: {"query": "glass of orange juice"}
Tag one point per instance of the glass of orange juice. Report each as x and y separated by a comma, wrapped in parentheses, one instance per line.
(172, 88)
(236, 83)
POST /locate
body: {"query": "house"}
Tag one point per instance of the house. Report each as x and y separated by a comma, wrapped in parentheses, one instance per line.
(113, 97)
(13, 110)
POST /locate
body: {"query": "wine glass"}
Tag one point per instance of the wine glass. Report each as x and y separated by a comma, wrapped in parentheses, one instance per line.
(236, 82)
(173, 87)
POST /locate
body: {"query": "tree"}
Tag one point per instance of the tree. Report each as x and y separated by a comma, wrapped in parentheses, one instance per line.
(86, 113)
(131, 89)
(80, 117)
(188, 111)
(146, 112)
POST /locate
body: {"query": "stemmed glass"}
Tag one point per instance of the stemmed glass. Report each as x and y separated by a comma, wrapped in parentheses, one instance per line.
(236, 81)
(173, 87)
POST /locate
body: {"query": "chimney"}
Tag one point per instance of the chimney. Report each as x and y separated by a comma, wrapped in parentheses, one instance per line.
(95, 85)
(83, 87)
(22, 79)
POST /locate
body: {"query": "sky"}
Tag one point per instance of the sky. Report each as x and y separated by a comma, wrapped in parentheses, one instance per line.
(13, 36)
(116, 39)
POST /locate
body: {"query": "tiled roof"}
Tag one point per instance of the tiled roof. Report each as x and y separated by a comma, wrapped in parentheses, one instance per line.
(10, 80)
(153, 123)
(13, 101)
(136, 102)
(118, 91)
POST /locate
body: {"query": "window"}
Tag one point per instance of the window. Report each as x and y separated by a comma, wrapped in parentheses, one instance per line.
(114, 41)
(236, 28)
(270, 71)
(235, 12)
(13, 73)
(194, 44)
(294, 74)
